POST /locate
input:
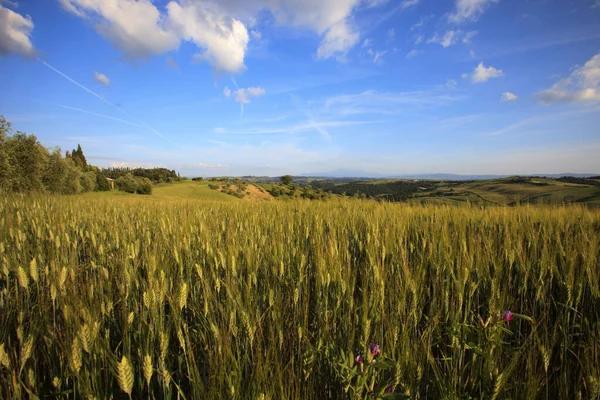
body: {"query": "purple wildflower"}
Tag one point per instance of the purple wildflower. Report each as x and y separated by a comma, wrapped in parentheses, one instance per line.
(507, 316)
(374, 349)
(359, 359)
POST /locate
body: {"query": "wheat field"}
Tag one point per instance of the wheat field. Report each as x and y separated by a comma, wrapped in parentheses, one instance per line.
(126, 298)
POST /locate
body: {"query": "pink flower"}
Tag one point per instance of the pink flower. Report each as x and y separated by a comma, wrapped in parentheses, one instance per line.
(507, 316)
(359, 359)
(374, 349)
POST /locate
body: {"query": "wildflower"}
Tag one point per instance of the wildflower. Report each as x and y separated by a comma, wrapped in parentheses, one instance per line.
(374, 349)
(388, 389)
(359, 359)
(507, 316)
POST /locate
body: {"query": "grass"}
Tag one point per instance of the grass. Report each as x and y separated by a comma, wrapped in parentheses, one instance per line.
(114, 296)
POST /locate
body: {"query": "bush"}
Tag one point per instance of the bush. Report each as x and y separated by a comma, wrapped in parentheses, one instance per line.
(144, 186)
(127, 183)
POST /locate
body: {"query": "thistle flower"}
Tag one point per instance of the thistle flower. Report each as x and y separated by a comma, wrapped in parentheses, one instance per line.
(359, 359)
(374, 349)
(507, 316)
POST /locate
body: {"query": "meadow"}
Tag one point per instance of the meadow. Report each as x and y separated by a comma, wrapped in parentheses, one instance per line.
(143, 297)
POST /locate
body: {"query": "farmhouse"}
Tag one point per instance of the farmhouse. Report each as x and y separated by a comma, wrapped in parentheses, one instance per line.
(111, 182)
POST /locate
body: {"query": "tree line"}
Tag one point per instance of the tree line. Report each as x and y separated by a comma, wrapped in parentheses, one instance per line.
(27, 166)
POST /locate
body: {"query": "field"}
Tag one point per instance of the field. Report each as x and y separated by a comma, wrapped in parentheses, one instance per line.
(116, 296)
(511, 191)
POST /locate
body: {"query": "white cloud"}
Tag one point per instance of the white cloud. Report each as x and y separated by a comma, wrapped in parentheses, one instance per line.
(409, 3)
(226, 91)
(135, 27)
(337, 41)
(243, 95)
(140, 29)
(419, 39)
(367, 43)
(387, 103)
(413, 53)
(483, 74)
(452, 37)
(583, 85)
(15, 33)
(256, 35)
(222, 38)
(468, 37)
(596, 4)
(451, 84)
(375, 3)
(508, 96)
(377, 55)
(469, 10)
(101, 79)
(391, 34)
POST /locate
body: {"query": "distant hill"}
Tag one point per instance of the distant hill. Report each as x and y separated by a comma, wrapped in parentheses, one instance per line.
(341, 173)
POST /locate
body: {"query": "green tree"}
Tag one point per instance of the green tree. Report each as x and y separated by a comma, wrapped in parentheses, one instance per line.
(55, 172)
(79, 158)
(286, 180)
(87, 181)
(72, 183)
(5, 166)
(28, 160)
(102, 184)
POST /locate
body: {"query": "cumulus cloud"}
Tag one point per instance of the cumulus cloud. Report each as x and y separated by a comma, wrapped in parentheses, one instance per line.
(135, 27)
(226, 91)
(508, 96)
(222, 38)
(583, 85)
(469, 10)
(15, 33)
(483, 74)
(218, 28)
(243, 95)
(101, 79)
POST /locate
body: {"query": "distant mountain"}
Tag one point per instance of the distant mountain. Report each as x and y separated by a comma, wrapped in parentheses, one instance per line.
(342, 173)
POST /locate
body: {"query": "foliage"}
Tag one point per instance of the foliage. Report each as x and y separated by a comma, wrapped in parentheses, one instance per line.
(5, 166)
(156, 175)
(26, 166)
(28, 159)
(163, 299)
(286, 180)
(127, 183)
(78, 158)
(388, 190)
(144, 186)
(102, 184)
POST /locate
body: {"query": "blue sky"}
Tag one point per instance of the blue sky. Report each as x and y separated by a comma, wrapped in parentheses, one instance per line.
(269, 87)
